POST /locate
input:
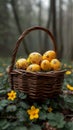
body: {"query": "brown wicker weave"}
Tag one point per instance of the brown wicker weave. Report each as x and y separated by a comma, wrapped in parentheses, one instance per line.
(38, 85)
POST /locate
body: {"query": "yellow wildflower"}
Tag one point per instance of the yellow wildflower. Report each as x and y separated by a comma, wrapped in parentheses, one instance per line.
(11, 95)
(50, 109)
(68, 72)
(70, 87)
(1, 74)
(33, 112)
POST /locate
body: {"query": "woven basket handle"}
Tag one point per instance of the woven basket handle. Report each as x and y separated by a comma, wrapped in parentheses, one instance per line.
(23, 36)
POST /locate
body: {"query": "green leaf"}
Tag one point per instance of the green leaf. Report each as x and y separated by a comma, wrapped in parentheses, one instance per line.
(69, 99)
(61, 124)
(35, 127)
(42, 115)
(4, 103)
(23, 105)
(20, 128)
(2, 92)
(59, 116)
(56, 119)
(70, 125)
(21, 115)
(51, 116)
(45, 107)
(7, 125)
(4, 124)
(11, 108)
(22, 96)
(52, 123)
(1, 108)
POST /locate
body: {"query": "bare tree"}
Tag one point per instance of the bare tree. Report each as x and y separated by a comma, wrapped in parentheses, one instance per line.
(14, 5)
(61, 47)
(69, 30)
(46, 43)
(53, 2)
(40, 23)
(4, 28)
(28, 10)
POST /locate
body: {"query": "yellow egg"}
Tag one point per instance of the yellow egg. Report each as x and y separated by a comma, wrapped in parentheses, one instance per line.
(33, 68)
(21, 63)
(55, 64)
(45, 65)
(49, 55)
(35, 58)
(28, 61)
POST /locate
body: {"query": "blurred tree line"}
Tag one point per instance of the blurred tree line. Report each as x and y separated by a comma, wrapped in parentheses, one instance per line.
(18, 15)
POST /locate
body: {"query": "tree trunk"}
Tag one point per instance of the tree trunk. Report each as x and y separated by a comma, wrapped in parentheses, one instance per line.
(54, 27)
(46, 43)
(13, 3)
(61, 47)
(39, 23)
(4, 23)
(71, 30)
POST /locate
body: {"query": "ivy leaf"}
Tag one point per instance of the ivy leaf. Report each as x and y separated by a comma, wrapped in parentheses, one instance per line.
(7, 125)
(11, 108)
(69, 99)
(52, 123)
(45, 107)
(4, 124)
(1, 108)
(2, 92)
(70, 125)
(4, 103)
(56, 120)
(51, 116)
(59, 117)
(23, 105)
(20, 128)
(22, 96)
(42, 115)
(61, 124)
(35, 127)
(21, 115)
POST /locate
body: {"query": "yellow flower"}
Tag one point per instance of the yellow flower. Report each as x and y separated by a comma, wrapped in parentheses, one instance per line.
(33, 112)
(70, 87)
(11, 95)
(50, 109)
(68, 72)
(1, 74)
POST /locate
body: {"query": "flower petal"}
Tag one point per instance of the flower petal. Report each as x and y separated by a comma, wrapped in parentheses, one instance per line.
(32, 107)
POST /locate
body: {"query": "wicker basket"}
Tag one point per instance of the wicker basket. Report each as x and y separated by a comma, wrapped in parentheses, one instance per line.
(37, 85)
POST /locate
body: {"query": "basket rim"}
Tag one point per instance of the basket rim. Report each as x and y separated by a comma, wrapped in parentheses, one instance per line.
(41, 73)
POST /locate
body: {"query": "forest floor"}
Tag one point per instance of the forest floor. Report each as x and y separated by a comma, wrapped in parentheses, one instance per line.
(66, 107)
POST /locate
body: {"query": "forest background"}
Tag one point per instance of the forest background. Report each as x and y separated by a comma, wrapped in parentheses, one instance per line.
(18, 15)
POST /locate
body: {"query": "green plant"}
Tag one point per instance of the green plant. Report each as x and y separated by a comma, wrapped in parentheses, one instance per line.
(15, 111)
